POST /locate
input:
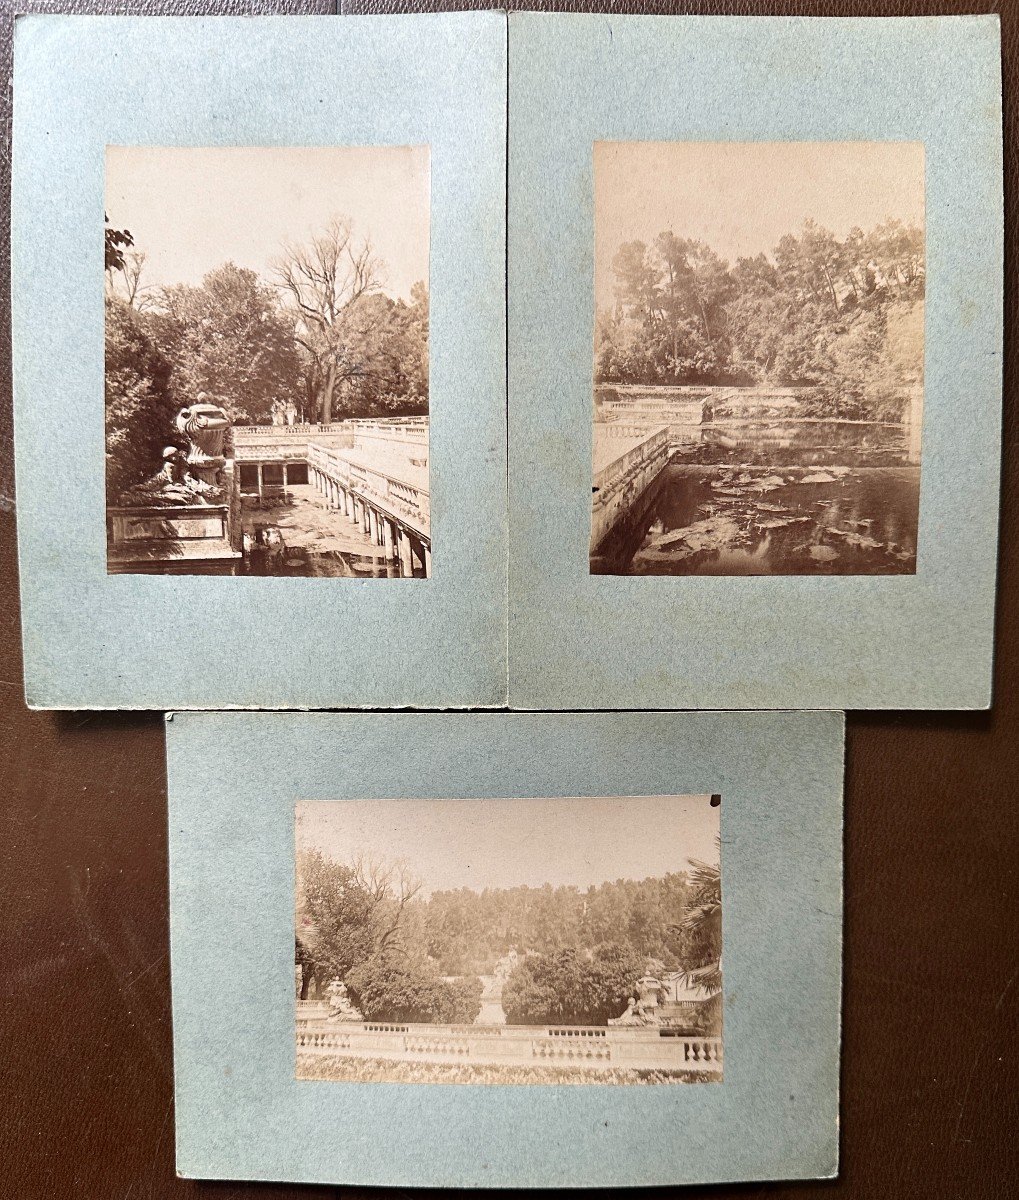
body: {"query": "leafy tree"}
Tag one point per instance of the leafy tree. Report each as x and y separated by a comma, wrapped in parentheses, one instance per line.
(389, 339)
(385, 988)
(349, 913)
(458, 1001)
(568, 988)
(116, 240)
(230, 339)
(832, 316)
(703, 924)
(140, 408)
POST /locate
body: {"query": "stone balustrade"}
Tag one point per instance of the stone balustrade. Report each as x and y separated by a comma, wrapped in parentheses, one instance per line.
(401, 429)
(248, 432)
(389, 502)
(625, 466)
(640, 1047)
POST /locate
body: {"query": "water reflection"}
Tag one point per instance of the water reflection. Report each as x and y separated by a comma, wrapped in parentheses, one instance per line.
(325, 564)
(816, 499)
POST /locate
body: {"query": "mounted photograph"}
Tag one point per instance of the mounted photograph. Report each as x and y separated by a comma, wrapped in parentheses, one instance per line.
(758, 358)
(566, 940)
(266, 361)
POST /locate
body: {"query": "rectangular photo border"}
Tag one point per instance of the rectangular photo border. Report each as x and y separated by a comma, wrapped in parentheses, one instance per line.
(242, 1115)
(93, 640)
(905, 641)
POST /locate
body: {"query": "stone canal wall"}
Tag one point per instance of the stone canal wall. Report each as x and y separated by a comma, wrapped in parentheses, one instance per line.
(627, 460)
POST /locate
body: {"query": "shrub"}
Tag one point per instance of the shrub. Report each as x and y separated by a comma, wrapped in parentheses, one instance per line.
(565, 988)
(458, 1001)
(388, 989)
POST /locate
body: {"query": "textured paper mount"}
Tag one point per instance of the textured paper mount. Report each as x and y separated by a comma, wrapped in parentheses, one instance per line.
(907, 641)
(240, 1113)
(921, 640)
(94, 640)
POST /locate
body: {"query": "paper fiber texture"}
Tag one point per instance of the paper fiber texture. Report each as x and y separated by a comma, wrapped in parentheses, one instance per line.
(240, 1113)
(927, 89)
(94, 639)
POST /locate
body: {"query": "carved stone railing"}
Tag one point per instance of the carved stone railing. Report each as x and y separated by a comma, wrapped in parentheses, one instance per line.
(640, 1047)
(260, 443)
(406, 502)
(624, 478)
(653, 447)
(246, 432)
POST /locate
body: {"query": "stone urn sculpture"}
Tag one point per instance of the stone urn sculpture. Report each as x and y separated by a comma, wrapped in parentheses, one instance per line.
(205, 426)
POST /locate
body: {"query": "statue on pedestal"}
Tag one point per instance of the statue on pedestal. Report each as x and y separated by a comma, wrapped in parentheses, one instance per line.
(193, 476)
(642, 1009)
(340, 1008)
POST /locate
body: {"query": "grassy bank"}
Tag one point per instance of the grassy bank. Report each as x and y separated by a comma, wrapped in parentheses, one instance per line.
(339, 1069)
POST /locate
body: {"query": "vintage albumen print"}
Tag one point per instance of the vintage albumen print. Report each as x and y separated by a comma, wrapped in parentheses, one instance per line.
(527, 941)
(267, 360)
(759, 342)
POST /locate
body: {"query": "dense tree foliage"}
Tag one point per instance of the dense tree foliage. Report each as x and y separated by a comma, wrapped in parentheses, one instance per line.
(703, 926)
(386, 345)
(578, 952)
(703, 919)
(350, 913)
(820, 313)
(469, 931)
(360, 922)
(321, 334)
(230, 339)
(140, 406)
(387, 988)
(568, 987)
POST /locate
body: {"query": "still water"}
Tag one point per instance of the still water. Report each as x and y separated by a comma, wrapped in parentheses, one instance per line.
(326, 564)
(820, 499)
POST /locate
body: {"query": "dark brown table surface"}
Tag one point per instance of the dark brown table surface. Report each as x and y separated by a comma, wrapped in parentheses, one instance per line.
(930, 1077)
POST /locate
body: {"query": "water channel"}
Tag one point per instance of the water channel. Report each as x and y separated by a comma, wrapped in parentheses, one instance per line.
(773, 498)
(328, 564)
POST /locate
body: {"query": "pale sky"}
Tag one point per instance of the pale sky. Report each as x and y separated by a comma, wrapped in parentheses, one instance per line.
(741, 197)
(506, 843)
(190, 209)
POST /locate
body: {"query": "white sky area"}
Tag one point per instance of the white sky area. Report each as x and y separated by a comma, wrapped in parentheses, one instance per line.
(741, 197)
(190, 209)
(505, 843)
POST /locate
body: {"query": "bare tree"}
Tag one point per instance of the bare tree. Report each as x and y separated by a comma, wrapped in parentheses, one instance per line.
(321, 280)
(389, 888)
(125, 280)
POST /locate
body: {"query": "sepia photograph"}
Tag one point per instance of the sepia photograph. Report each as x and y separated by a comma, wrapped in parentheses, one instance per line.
(266, 361)
(566, 940)
(758, 358)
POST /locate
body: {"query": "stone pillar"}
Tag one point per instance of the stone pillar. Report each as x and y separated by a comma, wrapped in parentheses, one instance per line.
(358, 511)
(284, 474)
(373, 526)
(260, 483)
(406, 557)
(348, 504)
(428, 561)
(387, 538)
